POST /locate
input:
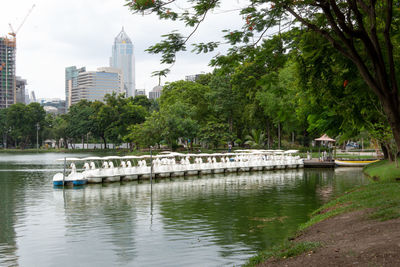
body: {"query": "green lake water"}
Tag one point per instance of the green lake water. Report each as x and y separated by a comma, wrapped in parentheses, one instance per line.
(216, 220)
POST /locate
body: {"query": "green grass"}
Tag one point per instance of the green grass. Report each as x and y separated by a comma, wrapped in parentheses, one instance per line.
(382, 198)
(383, 171)
(283, 251)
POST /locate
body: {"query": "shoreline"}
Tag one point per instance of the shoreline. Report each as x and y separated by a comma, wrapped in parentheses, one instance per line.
(361, 227)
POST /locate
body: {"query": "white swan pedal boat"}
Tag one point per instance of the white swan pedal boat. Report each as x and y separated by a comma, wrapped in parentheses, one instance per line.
(172, 164)
(74, 178)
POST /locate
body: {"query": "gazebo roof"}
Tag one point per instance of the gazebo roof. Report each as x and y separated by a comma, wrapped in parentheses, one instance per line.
(326, 138)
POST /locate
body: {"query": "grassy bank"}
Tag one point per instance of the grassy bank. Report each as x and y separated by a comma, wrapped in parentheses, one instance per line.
(381, 197)
(383, 171)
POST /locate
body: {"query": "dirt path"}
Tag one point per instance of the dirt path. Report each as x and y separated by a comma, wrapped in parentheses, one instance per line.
(349, 239)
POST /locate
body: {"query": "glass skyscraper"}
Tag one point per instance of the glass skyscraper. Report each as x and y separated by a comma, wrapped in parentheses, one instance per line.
(123, 58)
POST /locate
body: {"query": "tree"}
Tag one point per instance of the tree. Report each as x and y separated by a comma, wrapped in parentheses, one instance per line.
(121, 112)
(190, 94)
(79, 122)
(178, 122)
(364, 32)
(331, 93)
(222, 99)
(142, 100)
(60, 125)
(17, 122)
(256, 139)
(21, 123)
(148, 133)
(3, 125)
(215, 133)
(100, 120)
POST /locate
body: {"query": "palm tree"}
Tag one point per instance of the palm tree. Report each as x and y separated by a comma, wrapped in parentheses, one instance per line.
(256, 139)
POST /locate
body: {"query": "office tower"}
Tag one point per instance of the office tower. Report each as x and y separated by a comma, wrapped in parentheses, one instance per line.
(156, 92)
(20, 90)
(7, 72)
(53, 105)
(140, 92)
(192, 78)
(94, 85)
(123, 58)
(27, 100)
(32, 97)
(71, 81)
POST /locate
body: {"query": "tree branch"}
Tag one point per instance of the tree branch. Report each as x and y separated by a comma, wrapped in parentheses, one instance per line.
(341, 19)
(352, 54)
(201, 20)
(324, 33)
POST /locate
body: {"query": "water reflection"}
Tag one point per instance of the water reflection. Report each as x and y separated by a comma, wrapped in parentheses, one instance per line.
(209, 220)
(8, 246)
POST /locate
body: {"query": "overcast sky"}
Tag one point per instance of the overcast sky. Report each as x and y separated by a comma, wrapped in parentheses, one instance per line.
(62, 33)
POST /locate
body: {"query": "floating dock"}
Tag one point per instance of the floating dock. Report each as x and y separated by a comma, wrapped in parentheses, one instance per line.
(316, 163)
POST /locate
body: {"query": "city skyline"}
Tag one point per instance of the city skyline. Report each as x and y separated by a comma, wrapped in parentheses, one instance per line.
(58, 34)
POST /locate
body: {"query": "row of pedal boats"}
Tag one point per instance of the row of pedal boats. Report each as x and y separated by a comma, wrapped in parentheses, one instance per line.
(171, 164)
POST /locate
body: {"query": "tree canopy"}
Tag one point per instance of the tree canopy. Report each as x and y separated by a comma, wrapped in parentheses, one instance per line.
(364, 32)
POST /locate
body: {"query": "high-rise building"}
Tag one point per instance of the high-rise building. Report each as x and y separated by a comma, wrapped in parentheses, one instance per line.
(140, 92)
(20, 90)
(32, 97)
(27, 100)
(123, 58)
(7, 72)
(156, 92)
(193, 78)
(71, 81)
(53, 105)
(94, 85)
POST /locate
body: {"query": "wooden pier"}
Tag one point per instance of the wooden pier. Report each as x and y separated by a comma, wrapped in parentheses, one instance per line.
(316, 163)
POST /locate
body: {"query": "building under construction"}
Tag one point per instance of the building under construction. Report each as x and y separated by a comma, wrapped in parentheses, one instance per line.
(7, 72)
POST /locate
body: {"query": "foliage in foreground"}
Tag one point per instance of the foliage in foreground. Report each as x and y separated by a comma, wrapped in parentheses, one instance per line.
(283, 251)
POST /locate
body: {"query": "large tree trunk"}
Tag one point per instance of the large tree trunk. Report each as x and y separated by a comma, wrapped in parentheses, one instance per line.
(279, 135)
(384, 151)
(230, 120)
(65, 143)
(392, 111)
(268, 131)
(104, 141)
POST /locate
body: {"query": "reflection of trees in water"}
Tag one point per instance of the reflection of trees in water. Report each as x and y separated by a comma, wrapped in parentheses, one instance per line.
(112, 207)
(11, 208)
(233, 208)
(335, 181)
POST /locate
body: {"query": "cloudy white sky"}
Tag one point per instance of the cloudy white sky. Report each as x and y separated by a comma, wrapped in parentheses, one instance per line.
(61, 33)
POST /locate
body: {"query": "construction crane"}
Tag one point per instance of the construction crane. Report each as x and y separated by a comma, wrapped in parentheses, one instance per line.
(5, 65)
(14, 33)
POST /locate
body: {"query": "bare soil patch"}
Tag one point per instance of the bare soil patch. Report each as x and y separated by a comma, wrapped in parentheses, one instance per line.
(349, 239)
